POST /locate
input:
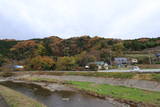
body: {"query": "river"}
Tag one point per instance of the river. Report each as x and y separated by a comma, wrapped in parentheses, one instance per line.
(58, 98)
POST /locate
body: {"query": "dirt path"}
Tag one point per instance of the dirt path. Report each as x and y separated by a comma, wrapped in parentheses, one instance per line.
(142, 84)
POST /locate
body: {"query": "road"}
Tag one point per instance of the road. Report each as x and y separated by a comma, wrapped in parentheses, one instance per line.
(141, 70)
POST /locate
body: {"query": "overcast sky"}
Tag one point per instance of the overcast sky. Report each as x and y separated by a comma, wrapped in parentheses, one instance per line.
(125, 19)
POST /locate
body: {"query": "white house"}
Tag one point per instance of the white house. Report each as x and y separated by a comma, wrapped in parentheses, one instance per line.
(134, 61)
(100, 64)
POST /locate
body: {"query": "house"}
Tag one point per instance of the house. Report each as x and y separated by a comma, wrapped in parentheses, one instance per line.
(157, 57)
(121, 61)
(100, 64)
(133, 61)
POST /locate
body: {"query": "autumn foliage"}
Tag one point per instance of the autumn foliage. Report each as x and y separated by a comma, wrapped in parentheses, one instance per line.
(41, 63)
(69, 54)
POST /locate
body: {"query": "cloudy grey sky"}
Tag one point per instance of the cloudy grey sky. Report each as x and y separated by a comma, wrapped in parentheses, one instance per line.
(125, 19)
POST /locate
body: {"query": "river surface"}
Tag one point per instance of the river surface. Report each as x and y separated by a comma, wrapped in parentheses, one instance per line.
(58, 98)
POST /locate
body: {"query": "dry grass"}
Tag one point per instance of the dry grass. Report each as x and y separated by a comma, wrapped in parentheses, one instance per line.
(149, 66)
(39, 79)
(16, 99)
(143, 77)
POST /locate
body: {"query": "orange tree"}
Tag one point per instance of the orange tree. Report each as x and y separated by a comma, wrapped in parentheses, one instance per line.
(41, 63)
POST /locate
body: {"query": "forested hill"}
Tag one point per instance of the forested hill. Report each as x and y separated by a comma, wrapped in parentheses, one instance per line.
(55, 46)
(6, 45)
(77, 50)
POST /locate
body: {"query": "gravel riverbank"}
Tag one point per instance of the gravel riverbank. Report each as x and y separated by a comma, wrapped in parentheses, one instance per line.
(141, 84)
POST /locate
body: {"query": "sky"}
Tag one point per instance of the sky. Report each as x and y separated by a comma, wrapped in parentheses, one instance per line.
(123, 19)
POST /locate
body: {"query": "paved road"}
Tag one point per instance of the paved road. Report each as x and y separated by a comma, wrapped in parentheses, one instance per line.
(142, 70)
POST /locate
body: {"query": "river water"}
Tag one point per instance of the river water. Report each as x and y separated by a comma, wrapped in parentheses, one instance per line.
(58, 98)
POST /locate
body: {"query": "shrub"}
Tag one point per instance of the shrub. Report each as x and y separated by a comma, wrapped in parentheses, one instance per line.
(66, 63)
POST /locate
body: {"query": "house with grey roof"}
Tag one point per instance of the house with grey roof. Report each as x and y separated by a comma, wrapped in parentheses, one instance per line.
(121, 61)
(157, 57)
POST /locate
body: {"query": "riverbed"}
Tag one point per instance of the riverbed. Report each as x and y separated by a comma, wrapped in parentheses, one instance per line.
(58, 98)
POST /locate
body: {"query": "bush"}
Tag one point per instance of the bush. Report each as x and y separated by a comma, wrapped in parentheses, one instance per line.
(157, 62)
(66, 63)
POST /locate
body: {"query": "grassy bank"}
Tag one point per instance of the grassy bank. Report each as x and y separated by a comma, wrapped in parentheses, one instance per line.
(16, 99)
(37, 79)
(120, 92)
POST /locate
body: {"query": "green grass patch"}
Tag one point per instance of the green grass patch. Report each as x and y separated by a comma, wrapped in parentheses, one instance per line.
(139, 55)
(120, 92)
(16, 99)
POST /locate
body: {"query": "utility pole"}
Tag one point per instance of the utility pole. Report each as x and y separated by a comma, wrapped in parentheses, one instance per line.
(150, 61)
(110, 58)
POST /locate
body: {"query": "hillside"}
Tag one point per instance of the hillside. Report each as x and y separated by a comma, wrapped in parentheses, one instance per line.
(82, 49)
